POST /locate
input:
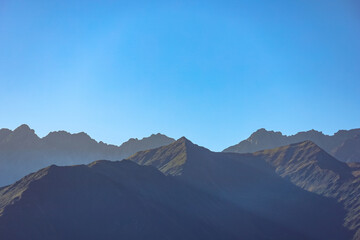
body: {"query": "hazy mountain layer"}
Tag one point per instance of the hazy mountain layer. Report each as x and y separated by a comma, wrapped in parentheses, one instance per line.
(349, 150)
(344, 144)
(23, 152)
(249, 182)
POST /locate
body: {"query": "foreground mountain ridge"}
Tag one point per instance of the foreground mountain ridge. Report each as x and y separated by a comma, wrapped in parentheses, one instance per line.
(304, 164)
(243, 179)
(22, 151)
(109, 200)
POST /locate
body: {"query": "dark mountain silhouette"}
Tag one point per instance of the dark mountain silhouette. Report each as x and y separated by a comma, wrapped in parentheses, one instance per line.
(263, 139)
(23, 152)
(122, 200)
(311, 168)
(251, 183)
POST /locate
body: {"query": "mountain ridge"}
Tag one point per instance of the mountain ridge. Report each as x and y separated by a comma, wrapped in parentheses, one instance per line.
(129, 201)
(263, 139)
(310, 167)
(243, 179)
(22, 151)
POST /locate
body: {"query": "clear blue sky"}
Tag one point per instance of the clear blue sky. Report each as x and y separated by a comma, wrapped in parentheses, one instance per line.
(213, 71)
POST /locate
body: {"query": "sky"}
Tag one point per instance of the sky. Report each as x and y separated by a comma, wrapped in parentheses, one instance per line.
(212, 71)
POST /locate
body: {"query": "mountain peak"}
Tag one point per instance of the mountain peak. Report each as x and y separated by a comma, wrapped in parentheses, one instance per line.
(157, 137)
(23, 133)
(65, 133)
(171, 159)
(187, 145)
(263, 132)
(263, 139)
(304, 145)
(259, 140)
(305, 153)
(184, 140)
(24, 128)
(63, 139)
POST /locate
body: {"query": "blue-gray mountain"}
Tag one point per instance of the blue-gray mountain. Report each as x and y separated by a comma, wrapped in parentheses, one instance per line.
(23, 152)
(199, 195)
(344, 145)
(253, 195)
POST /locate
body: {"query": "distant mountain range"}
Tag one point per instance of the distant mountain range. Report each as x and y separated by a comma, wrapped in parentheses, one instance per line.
(344, 145)
(23, 152)
(197, 194)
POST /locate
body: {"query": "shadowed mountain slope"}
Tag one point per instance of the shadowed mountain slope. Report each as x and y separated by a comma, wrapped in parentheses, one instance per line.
(23, 152)
(311, 168)
(263, 139)
(249, 182)
(122, 200)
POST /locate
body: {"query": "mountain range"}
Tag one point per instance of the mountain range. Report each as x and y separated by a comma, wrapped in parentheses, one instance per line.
(167, 189)
(344, 144)
(178, 191)
(23, 152)
(304, 164)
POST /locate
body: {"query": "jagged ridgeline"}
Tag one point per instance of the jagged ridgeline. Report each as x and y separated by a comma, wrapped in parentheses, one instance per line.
(23, 152)
(343, 145)
(171, 189)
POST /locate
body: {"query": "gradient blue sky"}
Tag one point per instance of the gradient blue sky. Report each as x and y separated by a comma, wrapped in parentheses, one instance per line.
(213, 71)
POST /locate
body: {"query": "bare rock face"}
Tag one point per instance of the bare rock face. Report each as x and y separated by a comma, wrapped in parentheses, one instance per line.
(23, 152)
